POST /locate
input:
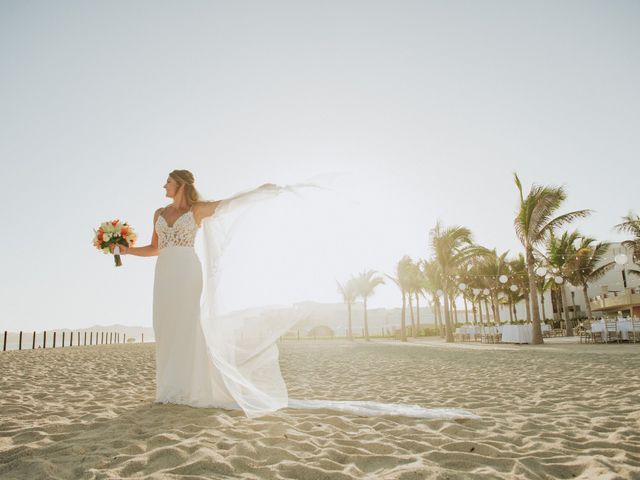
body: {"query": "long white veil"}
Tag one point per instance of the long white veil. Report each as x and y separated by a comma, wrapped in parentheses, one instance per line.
(258, 248)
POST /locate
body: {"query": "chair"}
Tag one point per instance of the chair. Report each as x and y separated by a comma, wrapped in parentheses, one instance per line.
(585, 333)
(634, 333)
(487, 336)
(611, 329)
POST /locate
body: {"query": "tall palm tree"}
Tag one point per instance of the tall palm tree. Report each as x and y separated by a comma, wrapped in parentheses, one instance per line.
(492, 267)
(533, 224)
(403, 281)
(559, 250)
(433, 284)
(518, 268)
(585, 266)
(349, 295)
(631, 224)
(415, 287)
(452, 248)
(365, 284)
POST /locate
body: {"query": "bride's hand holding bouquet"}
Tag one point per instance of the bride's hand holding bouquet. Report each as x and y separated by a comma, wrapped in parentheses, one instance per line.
(114, 237)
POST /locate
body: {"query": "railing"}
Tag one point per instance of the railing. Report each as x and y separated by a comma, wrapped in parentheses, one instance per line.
(623, 300)
(101, 338)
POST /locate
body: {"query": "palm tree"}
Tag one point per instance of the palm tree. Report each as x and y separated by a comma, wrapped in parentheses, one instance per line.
(534, 223)
(518, 268)
(365, 284)
(492, 266)
(349, 295)
(584, 267)
(403, 281)
(432, 285)
(631, 224)
(416, 283)
(559, 251)
(452, 248)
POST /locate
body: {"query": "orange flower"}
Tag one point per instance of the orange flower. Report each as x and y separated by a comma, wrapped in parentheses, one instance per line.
(114, 222)
(124, 231)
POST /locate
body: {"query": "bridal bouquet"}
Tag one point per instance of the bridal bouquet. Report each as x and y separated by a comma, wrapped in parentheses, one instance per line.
(115, 233)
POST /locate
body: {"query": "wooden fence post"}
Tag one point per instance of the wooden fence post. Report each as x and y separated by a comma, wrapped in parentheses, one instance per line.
(44, 340)
(4, 344)
(71, 340)
(85, 338)
(124, 338)
(63, 339)
(34, 341)
(20, 341)
(90, 338)
(54, 339)
(143, 338)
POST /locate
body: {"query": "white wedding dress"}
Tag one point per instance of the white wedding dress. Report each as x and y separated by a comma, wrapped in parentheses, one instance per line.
(209, 354)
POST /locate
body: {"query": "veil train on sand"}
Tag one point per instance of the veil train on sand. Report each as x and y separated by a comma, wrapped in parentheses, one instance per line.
(264, 246)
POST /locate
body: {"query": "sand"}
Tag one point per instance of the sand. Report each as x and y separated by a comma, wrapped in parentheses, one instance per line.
(561, 410)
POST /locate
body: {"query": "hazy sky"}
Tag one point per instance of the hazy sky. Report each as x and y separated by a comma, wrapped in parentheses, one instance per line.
(427, 108)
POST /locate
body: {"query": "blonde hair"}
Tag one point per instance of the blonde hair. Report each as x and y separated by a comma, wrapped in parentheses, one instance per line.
(186, 178)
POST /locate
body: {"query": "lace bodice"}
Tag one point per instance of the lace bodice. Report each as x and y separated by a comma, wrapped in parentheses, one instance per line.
(181, 234)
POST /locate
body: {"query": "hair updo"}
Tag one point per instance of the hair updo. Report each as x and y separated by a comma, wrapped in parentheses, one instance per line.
(186, 178)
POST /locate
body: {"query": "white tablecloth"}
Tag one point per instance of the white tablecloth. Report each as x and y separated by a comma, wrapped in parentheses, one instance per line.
(517, 333)
(623, 326)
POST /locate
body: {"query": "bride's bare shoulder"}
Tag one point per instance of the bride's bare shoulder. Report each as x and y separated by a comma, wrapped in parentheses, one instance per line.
(158, 212)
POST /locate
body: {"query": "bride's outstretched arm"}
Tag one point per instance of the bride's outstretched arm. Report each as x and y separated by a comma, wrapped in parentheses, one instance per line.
(209, 208)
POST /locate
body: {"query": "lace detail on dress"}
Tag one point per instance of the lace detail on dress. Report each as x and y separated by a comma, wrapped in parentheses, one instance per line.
(181, 234)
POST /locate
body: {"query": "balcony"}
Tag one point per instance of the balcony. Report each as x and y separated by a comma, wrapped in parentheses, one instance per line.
(614, 301)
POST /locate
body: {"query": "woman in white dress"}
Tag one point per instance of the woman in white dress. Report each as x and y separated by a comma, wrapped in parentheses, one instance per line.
(209, 358)
(185, 373)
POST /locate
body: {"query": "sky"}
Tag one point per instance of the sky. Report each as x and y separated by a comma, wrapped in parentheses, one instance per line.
(424, 108)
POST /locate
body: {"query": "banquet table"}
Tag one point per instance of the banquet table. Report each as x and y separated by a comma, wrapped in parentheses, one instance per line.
(517, 333)
(623, 326)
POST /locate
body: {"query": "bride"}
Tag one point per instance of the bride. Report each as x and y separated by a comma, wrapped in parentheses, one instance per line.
(208, 357)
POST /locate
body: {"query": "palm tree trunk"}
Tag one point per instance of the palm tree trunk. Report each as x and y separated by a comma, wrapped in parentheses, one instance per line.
(466, 313)
(350, 330)
(403, 323)
(533, 295)
(496, 307)
(475, 314)
(486, 310)
(454, 313)
(413, 321)
(565, 304)
(586, 301)
(554, 296)
(480, 311)
(418, 312)
(438, 315)
(447, 318)
(544, 315)
(366, 323)
(527, 307)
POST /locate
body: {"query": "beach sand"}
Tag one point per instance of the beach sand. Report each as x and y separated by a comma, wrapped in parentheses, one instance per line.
(561, 410)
